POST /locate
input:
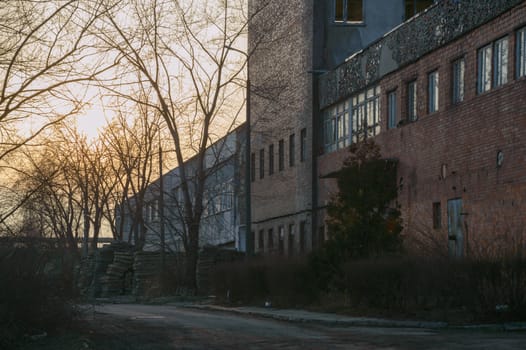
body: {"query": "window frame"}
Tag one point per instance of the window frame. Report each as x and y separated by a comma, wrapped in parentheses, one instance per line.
(253, 167)
(303, 145)
(261, 163)
(292, 150)
(520, 53)
(458, 83)
(345, 16)
(493, 71)
(281, 155)
(271, 159)
(412, 100)
(392, 109)
(433, 91)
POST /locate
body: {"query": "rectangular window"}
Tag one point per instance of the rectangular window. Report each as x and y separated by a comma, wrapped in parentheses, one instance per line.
(348, 11)
(412, 7)
(303, 145)
(302, 237)
(261, 241)
(432, 94)
(336, 131)
(271, 159)
(391, 110)
(290, 245)
(437, 215)
(270, 241)
(253, 167)
(292, 150)
(521, 52)
(459, 67)
(492, 70)
(365, 109)
(281, 240)
(261, 163)
(500, 62)
(281, 155)
(411, 101)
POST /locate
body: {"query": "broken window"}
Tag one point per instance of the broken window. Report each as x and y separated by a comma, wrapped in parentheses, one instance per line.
(391, 110)
(412, 7)
(459, 67)
(432, 94)
(348, 11)
(521, 52)
(411, 101)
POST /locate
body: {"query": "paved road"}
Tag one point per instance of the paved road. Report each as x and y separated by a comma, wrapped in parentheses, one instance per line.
(171, 327)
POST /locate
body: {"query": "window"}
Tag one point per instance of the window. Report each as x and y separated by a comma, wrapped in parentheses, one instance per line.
(412, 7)
(521, 52)
(290, 246)
(335, 125)
(253, 167)
(281, 155)
(365, 108)
(261, 241)
(437, 215)
(391, 110)
(261, 163)
(348, 11)
(411, 101)
(302, 237)
(492, 65)
(432, 92)
(303, 145)
(292, 150)
(459, 67)
(271, 159)
(270, 241)
(281, 238)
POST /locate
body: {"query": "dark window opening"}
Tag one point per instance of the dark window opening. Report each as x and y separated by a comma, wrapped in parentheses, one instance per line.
(303, 145)
(281, 155)
(437, 215)
(270, 239)
(253, 167)
(261, 163)
(348, 10)
(412, 7)
(291, 240)
(271, 159)
(302, 237)
(261, 241)
(281, 238)
(292, 150)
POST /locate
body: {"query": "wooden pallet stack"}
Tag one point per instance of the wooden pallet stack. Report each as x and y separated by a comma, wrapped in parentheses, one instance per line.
(117, 280)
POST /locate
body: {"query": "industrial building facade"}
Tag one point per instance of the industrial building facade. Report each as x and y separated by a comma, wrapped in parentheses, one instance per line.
(444, 92)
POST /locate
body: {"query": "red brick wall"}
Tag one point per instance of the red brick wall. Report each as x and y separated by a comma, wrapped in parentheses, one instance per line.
(465, 138)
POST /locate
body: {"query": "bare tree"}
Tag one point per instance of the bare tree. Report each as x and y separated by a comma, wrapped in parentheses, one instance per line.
(46, 52)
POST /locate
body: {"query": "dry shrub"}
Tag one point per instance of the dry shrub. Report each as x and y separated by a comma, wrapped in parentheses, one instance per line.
(36, 293)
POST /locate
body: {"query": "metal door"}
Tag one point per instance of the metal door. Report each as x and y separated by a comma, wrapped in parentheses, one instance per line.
(455, 228)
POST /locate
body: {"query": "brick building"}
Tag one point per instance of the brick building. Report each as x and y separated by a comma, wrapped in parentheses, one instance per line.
(443, 92)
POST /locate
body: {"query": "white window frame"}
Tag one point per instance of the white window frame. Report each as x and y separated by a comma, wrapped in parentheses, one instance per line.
(433, 81)
(492, 65)
(520, 57)
(459, 71)
(336, 126)
(412, 99)
(392, 109)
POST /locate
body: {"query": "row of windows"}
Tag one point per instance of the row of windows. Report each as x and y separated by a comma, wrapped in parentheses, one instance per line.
(352, 120)
(358, 117)
(270, 246)
(351, 11)
(281, 155)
